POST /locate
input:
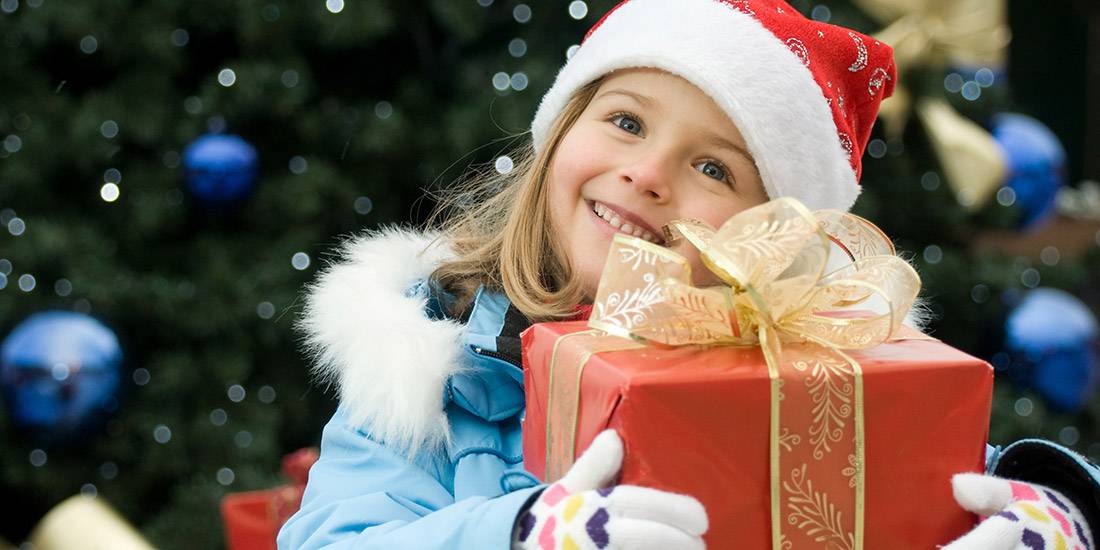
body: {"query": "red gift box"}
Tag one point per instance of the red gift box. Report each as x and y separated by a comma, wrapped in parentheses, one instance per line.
(696, 421)
(253, 518)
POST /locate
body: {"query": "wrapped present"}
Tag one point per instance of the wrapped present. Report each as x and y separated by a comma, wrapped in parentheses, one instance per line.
(253, 518)
(790, 401)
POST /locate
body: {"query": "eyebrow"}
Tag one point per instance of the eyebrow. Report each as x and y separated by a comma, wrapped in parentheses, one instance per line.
(719, 141)
(646, 101)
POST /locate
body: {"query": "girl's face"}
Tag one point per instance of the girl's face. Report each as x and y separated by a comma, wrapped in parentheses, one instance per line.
(650, 148)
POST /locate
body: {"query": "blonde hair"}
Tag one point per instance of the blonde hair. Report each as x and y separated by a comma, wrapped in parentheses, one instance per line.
(500, 229)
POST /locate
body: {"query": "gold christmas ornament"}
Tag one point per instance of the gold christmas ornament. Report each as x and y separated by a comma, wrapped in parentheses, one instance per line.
(87, 523)
(942, 32)
(937, 34)
(972, 161)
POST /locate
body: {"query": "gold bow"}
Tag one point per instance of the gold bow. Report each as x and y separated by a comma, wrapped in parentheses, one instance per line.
(773, 259)
(782, 293)
(935, 33)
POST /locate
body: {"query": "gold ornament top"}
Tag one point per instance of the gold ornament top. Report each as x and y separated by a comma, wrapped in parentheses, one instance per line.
(773, 259)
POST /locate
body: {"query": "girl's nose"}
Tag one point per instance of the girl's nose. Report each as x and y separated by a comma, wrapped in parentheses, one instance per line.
(649, 176)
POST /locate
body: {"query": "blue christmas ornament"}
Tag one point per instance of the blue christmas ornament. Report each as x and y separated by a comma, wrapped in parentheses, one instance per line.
(1036, 164)
(1054, 335)
(59, 373)
(219, 169)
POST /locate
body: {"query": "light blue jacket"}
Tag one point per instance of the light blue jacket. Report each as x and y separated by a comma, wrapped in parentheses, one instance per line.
(375, 486)
(466, 491)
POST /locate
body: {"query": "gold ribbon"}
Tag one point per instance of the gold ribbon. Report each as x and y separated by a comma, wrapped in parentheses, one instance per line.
(935, 33)
(783, 294)
(563, 396)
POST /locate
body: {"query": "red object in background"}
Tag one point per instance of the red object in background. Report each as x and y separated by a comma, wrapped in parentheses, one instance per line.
(696, 422)
(253, 519)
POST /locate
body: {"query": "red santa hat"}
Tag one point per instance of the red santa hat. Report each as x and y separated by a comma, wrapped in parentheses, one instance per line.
(804, 94)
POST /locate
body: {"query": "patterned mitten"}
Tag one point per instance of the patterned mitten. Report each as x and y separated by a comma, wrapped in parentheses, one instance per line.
(580, 512)
(1023, 516)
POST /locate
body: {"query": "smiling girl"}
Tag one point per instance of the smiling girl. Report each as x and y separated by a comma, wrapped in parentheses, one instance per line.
(670, 109)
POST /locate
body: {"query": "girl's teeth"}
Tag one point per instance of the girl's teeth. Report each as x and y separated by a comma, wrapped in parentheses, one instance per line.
(613, 220)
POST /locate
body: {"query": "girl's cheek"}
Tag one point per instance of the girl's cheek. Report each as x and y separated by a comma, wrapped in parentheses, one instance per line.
(577, 159)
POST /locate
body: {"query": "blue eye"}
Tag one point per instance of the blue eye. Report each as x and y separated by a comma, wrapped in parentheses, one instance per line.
(712, 169)
(628, 123)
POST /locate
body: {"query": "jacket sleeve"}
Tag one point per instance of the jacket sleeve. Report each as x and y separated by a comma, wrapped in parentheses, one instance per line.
(363, 495)
(1047, 463)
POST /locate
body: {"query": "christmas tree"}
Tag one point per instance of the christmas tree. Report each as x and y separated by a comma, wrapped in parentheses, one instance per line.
(353, 111)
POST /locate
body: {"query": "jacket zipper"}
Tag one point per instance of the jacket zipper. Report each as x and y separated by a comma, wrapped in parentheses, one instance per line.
(496, 355)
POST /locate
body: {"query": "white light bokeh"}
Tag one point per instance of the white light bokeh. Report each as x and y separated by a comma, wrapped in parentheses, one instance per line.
(519, 81)
(180, 37)
(26, 282)
(300, 261)
(89, 44)
(17, 227)
(162, 434)
(226, 476)
(218, 417)
(109, 192)
(578, 9)
(298, 165)
(517, 47)
(265, 310)
(235, 393)
(109, 129)
(363, 205)
(522, 13)
(226, 77)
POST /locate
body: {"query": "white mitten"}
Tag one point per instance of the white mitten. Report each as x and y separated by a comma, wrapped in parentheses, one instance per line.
(582, 512)
(1021, 516)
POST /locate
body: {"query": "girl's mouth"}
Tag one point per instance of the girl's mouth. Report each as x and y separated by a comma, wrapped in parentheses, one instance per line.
(619, 224)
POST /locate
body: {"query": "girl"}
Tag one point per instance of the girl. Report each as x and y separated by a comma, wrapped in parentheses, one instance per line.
(670, 109)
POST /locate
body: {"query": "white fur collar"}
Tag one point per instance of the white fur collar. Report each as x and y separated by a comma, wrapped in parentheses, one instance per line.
(389, 361)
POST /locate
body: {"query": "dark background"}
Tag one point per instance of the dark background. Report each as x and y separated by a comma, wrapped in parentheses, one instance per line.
(354, 114)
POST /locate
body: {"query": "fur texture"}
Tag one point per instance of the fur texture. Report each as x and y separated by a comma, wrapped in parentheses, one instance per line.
(769, 95)
(389, 361)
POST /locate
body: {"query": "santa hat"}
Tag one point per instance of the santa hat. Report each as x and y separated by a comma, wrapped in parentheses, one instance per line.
(804, 94)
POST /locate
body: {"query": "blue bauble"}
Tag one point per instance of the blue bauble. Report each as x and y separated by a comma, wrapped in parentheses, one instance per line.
(1054, 334)
(220, 169)
(59, 372)
(1036, 164)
